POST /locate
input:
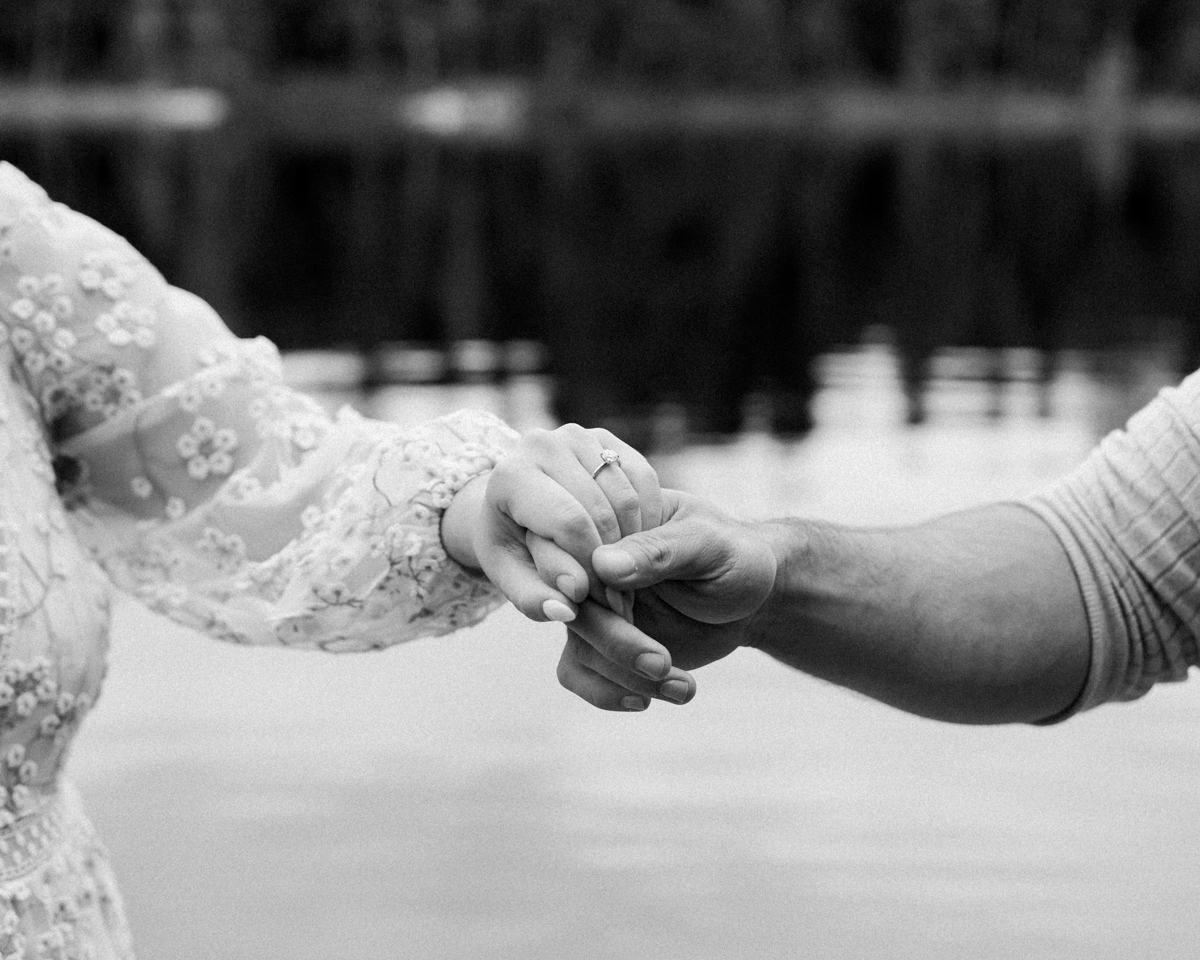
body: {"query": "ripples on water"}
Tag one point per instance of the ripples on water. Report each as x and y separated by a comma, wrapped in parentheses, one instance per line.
(448, 800)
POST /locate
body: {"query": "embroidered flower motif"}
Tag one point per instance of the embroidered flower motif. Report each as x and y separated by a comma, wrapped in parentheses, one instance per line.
(243, 485)
(190, 398)
(108, 271)
(141, 487)
(126, 324)
(310, 516)
(207, 449)
(228, 550)
(108, 392)
(38, 339)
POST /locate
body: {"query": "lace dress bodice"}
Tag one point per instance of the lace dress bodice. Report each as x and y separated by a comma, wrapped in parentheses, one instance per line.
(144, 446)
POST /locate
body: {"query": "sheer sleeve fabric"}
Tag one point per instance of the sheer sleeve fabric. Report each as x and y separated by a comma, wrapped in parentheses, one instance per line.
(1129, 520)
(201, 483)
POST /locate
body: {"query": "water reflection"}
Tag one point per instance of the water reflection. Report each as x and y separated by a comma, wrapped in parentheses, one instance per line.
(853, 388)
(702, 275)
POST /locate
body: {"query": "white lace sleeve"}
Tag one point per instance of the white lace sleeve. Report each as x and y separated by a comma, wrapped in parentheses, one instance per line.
(201, 483)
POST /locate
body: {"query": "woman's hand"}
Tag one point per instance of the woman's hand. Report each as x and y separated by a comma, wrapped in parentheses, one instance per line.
(532, 525)
(553, 488)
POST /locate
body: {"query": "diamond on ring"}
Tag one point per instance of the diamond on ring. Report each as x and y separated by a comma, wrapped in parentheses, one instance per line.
(607, 457)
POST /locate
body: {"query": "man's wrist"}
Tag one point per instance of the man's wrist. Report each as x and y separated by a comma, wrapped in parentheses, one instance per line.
(788, 540)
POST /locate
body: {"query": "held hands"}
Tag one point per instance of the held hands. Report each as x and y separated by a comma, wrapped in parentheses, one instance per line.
(556, 486)
(700, 578)
(533, 524)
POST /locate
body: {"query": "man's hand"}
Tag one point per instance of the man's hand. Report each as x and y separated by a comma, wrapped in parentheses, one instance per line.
(700, 577)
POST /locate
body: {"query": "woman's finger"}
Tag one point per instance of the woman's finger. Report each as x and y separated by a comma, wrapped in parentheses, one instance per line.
(557, 567)
(607, 468)
(512, 571)
(642, 477)
(648, 515)
(569, 455)
(536, 502)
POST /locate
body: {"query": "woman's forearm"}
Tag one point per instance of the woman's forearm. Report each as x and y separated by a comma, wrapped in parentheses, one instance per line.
(975, 617)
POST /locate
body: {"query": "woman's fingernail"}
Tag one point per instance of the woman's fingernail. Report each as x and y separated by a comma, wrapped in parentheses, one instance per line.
(557, 610)
(652, 665)
(615, 601)
(566, 583)
(634, 703)
(674, 690)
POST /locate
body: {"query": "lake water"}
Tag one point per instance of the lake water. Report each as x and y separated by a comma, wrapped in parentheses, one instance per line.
(447, 800)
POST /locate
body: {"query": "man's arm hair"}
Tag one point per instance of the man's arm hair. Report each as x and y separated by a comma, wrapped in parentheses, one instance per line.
(975, 617)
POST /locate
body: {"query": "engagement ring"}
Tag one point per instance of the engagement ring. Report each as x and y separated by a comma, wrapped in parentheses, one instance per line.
(606, 457)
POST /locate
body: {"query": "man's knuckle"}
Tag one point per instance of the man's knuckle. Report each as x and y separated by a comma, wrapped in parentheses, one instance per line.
(657, 552)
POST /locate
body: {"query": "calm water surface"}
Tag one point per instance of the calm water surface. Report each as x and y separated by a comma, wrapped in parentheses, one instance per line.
(447, 800)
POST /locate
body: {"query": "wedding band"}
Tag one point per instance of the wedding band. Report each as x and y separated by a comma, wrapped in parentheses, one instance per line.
(606, 457)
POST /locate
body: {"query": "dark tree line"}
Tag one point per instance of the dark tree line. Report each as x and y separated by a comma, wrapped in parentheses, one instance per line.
(691, 269)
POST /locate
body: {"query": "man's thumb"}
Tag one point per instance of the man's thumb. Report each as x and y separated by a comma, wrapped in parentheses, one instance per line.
(639, 560)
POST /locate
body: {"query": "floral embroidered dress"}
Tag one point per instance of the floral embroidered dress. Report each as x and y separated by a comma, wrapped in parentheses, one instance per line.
(143, 445)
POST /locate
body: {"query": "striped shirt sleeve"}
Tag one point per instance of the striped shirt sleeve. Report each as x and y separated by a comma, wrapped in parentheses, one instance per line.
(1129, 520)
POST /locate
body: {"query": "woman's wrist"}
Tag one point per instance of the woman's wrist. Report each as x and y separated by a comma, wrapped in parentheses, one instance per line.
(461, 520)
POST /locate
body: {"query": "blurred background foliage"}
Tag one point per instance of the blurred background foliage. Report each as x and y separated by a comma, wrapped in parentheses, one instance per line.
(680, 202)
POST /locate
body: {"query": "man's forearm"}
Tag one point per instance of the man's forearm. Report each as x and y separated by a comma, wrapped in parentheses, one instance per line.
(975, 617)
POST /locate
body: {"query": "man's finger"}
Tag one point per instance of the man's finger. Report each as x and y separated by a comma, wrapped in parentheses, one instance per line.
(677, 686)
(597, 690)
(581, 665)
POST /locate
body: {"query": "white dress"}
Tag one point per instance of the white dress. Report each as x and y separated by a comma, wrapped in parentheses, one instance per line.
(144, 446)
